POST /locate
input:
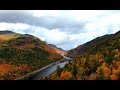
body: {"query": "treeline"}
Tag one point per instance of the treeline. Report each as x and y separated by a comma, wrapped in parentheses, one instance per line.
(100, 61)
(24, 54)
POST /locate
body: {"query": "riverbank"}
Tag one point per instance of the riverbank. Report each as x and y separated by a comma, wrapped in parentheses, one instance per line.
(43, 68)
(36, 71)
(48, 71)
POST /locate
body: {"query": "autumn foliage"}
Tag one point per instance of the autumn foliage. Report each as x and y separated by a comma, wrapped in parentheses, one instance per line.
(8, 72)
(23, 54)
(98, 59)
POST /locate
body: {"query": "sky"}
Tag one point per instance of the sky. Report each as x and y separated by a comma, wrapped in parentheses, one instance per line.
(66, 29)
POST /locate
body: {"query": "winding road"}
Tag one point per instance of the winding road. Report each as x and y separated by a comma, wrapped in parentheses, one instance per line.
(68, 58)
(46, 70)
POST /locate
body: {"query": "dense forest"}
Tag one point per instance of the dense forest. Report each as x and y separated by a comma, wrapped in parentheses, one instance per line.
(23, 53)
(98, 59)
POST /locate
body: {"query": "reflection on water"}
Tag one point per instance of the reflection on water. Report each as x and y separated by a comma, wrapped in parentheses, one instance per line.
(48, 71)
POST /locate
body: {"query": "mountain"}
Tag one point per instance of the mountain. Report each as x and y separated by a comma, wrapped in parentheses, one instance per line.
(23, 53)
(58, 50)
(98, 59)
(6, 32)
(7, 35)
(93, 43)
(53, 45)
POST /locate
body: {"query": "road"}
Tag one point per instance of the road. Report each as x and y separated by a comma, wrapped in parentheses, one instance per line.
(68, 58)
(46, 69)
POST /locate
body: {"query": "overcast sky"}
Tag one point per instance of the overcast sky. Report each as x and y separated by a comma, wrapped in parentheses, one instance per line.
(63, 28)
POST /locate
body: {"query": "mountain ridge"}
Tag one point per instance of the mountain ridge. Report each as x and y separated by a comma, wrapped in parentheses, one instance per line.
(98, 59)
(82, 48)
(23, 53)
(6, 32)
(57, 49)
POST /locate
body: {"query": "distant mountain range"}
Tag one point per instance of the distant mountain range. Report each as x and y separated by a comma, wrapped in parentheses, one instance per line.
(58, 50)
(6, 32)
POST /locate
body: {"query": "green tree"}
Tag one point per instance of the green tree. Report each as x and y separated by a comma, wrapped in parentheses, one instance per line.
(58, 70)
(74, 70)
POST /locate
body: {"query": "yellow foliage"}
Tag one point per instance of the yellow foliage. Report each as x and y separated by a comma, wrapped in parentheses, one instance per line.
(105, 64)
(115, 51)
(100, 60)
(117, 56)
(83, 60)
(105, 70)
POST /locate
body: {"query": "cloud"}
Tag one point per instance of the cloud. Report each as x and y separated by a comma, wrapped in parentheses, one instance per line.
(14, 26)
(55, 36)
(51, 36)
(64, 28)
(52, 21)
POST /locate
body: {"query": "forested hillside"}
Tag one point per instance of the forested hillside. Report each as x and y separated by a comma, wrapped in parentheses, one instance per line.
(23, 53)
(98, 59)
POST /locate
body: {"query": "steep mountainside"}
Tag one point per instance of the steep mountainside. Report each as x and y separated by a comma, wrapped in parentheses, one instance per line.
(92, 44)
(58, 50)
(98, 59)
(23, 53)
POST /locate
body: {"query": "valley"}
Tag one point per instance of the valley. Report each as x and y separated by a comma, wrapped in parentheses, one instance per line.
(24, 56)
(98, 59)
(59, 45)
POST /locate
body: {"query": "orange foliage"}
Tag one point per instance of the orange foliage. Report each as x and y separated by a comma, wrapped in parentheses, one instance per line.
(100, 60)
(105, 70)
(105, 64)
(92, 76)
(117, 56)
(53, 52)
(12, 71)
(65, 75)
(116, 64)
(83, 60)
(113, 77)
(78, 77)
(4, 69)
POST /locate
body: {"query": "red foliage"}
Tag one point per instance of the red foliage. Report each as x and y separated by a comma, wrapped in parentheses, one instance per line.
(12, 71)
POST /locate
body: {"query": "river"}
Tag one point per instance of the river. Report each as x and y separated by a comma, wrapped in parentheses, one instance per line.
(48, 71)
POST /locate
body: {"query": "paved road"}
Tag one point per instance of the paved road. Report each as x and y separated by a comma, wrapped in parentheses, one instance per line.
(68, 58)
(43, 68)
